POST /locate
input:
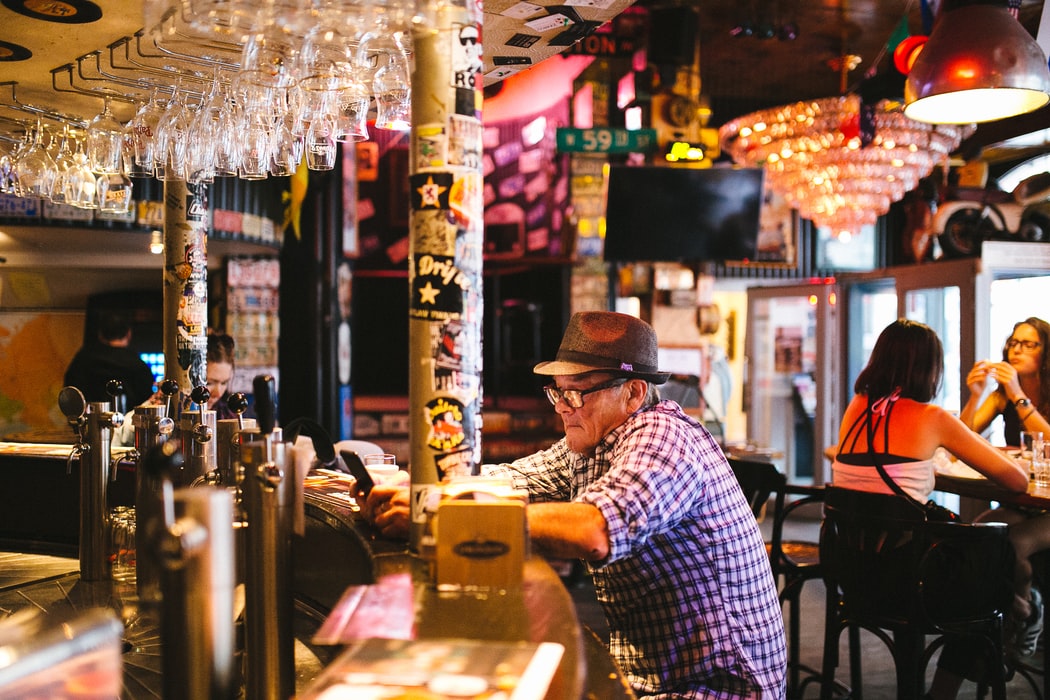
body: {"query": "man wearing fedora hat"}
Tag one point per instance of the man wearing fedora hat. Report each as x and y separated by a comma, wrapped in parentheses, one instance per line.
(644, 495)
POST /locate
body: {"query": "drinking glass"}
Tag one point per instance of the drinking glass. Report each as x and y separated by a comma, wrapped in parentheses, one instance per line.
(105, 142)
(1029, 439)
(114, 193)
(393, 97)
(80, 183)
(381, 466)
(143, 129)
(173, 138)
(63, 163)
(320, 146)
(122, 543)
(256, 147)
(352, 120)
(1041, 463)
(36, 169)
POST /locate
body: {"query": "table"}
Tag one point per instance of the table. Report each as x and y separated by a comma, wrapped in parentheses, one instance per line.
(984, 491)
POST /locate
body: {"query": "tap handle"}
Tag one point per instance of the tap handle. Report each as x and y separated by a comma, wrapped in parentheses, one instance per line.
(170, 388)
(238, 403)
(200, 396)
(115, 389)
(265, 391)
(74, 407)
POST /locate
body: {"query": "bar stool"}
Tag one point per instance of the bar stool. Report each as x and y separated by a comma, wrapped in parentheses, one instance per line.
(892, 573)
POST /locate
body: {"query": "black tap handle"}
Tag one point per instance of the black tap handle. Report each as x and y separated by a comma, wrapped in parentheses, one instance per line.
(169, 387)
(115, 389)
(265, 391)
(237, 402)
(200, 395)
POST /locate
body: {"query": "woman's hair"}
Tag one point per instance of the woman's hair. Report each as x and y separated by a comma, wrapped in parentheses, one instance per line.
(1043, 329)
(220, 348)
(907, 356)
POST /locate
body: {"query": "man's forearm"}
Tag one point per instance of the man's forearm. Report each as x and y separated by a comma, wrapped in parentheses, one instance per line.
(568, 531)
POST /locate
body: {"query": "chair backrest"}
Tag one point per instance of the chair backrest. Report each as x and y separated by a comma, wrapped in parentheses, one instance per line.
(760, 481)
(891, 566)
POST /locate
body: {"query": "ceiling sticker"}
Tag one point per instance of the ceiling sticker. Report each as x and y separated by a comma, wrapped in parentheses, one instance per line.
(61, 11)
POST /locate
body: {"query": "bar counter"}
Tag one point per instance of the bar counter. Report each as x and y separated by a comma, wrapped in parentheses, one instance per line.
(38, 526)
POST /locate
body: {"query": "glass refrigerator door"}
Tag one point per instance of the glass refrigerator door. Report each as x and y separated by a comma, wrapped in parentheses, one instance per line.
(789, 373)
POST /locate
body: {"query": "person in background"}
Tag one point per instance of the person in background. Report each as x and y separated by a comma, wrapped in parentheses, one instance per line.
(219, 372)
(644, 495)
(892, 403)
(220, 357)
(1022, 398)
(108, 357)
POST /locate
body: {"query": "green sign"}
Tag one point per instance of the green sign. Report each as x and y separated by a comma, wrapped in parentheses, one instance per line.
(603, 140)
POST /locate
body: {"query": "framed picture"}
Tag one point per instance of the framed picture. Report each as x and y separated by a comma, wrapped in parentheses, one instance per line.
(852, 253)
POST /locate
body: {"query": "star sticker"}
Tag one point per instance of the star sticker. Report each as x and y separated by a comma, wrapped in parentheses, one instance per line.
(430, 192)
(428, 295)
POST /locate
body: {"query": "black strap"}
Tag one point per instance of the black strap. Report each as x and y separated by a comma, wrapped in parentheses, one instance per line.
(894, 486)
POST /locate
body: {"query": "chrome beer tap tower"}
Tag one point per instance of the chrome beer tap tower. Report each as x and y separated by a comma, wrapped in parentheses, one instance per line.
(206, 500)
(93, 425)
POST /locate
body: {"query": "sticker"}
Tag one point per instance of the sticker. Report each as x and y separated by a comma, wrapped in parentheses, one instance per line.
(61, 11)
(596, 4)
(523, 10)
(430, 190)
(459, 463)
(503, 72)
(507, 153)
(465, 198)
(523, 41)
(549, 22)
(431, 146)
(445, 418)
(433, 233)
(14, 52)
(465, 142)
(438, 288)
(468, 102)
(466, 54)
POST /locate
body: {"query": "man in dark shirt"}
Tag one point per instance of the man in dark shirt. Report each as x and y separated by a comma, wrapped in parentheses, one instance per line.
(108, 357)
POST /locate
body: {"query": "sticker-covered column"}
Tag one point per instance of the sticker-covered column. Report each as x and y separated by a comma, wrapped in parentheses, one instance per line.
(185, 283)
(445, 252)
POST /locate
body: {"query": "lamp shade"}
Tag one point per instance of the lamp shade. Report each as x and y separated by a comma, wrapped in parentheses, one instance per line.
(979, 65)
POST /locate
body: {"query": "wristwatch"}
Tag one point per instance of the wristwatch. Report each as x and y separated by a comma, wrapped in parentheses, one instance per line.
(1022, 402)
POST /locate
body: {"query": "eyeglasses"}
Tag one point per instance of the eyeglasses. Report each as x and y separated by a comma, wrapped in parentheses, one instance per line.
(573, 398)
(1027, 345)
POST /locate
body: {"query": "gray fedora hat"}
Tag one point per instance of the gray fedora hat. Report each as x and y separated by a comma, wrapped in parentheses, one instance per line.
(606, 341)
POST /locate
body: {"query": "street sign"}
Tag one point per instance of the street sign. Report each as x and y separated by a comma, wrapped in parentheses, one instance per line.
(604, 140)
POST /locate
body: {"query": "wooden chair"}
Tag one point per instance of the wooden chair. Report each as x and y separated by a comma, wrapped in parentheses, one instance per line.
(888, 571)
(793, 561)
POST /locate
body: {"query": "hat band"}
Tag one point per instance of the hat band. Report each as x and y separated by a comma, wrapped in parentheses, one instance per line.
(586, 358)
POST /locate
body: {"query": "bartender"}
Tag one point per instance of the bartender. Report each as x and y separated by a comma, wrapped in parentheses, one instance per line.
(643, 494)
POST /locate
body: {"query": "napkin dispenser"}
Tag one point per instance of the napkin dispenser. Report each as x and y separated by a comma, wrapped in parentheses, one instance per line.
(480, 544)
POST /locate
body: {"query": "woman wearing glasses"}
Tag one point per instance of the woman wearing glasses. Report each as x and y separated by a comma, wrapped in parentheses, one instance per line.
(1023, 395)
(1023, 400)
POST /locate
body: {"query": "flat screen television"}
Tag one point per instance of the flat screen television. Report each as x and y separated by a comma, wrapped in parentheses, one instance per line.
(668, 214)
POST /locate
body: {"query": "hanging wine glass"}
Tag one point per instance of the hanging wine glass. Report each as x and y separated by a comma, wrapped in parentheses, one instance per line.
(63, 162)
(13, 181)
(80, 182)
(143, 130)
(172, 138)
(36, 169)
(7, 159)
(114, 193)
(105, 142)
(203, 135)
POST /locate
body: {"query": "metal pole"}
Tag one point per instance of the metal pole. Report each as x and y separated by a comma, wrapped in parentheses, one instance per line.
(445, 252)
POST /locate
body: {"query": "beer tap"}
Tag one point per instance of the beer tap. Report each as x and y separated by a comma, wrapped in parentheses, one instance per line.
(94, 476)
(229, 435)
(73, 406)
(118, 399)
(198, 429)
(193, 541)
(269, 494)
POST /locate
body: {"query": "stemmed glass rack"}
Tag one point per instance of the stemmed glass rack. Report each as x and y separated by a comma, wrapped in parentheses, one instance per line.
(216, 88)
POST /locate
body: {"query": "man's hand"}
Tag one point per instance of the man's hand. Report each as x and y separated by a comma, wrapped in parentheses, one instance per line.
(388, 507)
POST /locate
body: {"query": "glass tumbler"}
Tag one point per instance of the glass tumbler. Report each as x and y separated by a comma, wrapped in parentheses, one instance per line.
(122, 543)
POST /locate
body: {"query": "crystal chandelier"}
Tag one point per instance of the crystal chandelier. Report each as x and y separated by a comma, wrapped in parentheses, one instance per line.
(817, 157)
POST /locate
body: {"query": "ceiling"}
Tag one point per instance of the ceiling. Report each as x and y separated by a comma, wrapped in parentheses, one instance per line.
(81, 49)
